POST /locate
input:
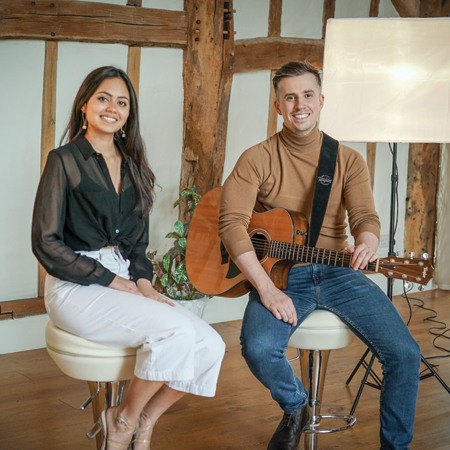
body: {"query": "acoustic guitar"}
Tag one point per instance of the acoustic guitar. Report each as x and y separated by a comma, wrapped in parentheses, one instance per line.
(278, 237)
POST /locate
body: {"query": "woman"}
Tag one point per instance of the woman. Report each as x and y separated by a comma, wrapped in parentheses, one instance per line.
(90, 232)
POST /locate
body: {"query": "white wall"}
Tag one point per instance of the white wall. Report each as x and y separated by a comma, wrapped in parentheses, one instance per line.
(161, 104)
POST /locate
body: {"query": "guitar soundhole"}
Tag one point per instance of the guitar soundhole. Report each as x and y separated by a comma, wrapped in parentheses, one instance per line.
(261, 245)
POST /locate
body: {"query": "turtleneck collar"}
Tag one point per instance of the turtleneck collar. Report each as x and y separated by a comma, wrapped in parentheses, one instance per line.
(303, 144)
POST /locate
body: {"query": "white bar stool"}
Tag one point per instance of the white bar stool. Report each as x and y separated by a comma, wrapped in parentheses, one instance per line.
(106, 369)
(321, 332)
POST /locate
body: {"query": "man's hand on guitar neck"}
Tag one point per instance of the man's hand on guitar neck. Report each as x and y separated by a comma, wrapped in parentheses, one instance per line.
(365, 251)
(276, 301)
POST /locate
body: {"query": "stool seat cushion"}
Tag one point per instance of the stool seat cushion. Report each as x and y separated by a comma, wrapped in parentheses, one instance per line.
(321, 330)
(86, 360)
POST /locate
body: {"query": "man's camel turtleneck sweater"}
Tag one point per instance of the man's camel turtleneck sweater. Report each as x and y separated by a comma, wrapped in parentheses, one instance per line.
(281, 172)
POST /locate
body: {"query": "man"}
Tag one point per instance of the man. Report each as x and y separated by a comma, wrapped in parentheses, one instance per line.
(281, 172)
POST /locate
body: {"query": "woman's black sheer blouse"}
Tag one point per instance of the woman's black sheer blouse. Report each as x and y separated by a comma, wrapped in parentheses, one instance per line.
(77, 208)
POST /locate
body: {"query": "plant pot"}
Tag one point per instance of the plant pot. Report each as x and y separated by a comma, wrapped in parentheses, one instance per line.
(196, 306)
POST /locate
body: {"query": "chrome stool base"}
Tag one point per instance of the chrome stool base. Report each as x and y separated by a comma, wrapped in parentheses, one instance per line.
(323, 331)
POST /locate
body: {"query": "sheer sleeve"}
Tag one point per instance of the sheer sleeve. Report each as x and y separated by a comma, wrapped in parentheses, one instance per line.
(47, 231)
(140, 265)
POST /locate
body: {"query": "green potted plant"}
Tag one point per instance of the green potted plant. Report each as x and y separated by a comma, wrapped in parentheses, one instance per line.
(170, 275)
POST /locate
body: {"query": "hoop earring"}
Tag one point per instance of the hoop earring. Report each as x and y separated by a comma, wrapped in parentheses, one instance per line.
(83, 115)
(122, 131)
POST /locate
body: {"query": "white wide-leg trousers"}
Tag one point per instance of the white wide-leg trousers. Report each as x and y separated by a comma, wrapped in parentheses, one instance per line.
(174, 345)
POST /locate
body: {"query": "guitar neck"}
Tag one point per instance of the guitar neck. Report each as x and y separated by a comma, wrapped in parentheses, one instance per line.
(305, 254)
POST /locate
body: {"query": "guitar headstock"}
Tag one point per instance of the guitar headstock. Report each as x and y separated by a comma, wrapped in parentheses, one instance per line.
(415, 270)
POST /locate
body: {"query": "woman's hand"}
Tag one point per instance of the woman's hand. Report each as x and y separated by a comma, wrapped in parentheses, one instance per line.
(146, 288)
(122, 284)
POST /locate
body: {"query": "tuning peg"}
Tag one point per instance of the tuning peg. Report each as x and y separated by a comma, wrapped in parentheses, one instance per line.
(407, 285)
(412, 255)
(425, 256)
(421, 288)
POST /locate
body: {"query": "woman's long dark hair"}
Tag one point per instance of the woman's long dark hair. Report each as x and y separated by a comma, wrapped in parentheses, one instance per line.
(132, 146)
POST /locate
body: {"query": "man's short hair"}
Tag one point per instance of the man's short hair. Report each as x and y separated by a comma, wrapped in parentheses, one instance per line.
(295, 69)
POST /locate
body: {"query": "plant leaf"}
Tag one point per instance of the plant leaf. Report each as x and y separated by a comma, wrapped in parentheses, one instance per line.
(179, 228)
(173, 235)
(166, 262)
(180, 273)
(172, 291)
(182, 242)
(165, 279)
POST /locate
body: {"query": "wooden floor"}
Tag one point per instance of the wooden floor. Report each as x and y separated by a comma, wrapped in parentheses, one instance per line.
(39, 406)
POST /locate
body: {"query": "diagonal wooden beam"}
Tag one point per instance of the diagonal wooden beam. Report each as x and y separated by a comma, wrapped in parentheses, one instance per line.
(272, 52)
(407, 8)
(430, 8)
(64, 20)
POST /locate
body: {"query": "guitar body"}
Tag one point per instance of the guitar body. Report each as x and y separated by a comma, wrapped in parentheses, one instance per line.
(209, 266)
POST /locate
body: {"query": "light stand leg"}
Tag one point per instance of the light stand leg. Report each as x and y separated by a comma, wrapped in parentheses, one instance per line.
(390, 284)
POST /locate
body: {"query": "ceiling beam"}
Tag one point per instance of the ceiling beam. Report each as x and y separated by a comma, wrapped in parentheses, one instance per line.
(272, 52)
(62, 20)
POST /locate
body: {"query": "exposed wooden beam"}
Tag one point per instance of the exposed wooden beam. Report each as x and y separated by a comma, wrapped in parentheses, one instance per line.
(329, 8)
(207, 78)
(371, 156)
(134, 67)
(430, 8)
(49, 101)
(64, 20)
(18, 309)
(48, 122)
(420, 221)
(272, 121)
(445, 11)
(272, 52)
(374, 8)
(407, 8)
(275, 17)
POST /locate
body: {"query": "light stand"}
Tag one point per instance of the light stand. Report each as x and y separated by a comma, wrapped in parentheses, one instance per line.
(386, 80)
(390, 284)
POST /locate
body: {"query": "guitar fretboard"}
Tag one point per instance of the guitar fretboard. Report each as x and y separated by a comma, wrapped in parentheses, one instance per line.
(303, 253)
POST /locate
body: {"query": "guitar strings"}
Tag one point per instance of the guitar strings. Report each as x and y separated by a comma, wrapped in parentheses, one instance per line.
(289, 249)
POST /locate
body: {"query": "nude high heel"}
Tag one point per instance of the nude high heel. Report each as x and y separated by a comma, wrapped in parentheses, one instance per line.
(139, 443)
(110, 438)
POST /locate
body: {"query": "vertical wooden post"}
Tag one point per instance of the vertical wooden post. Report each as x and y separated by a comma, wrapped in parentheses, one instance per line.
(374, 8)
(274, 30)
(275, 9)
(371, 154)
(134, 57)
(420, 221)
(207, 78)
(329, 7)
(48, 121)
(134, 67)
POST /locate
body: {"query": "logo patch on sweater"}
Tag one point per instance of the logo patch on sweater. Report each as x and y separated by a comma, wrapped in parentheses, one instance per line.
(324, 180)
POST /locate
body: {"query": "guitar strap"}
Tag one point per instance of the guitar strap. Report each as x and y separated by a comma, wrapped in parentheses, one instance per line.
(322, 188)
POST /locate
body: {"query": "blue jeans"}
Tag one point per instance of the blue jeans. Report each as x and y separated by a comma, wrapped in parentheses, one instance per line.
(368, 312)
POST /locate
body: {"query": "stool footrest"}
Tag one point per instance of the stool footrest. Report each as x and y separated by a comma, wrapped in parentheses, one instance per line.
(312, 428)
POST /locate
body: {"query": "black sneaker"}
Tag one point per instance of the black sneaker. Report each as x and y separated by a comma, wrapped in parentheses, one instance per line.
(287, 435)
